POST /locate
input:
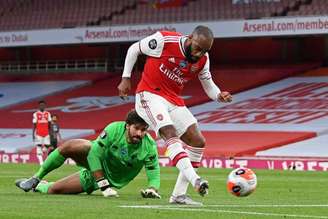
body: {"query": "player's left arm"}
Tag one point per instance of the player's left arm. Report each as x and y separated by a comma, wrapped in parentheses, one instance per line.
(211, 89)
(153, 175)
(95, 157)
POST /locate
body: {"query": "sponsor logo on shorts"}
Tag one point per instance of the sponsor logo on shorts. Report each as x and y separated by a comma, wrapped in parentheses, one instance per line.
(160, 117)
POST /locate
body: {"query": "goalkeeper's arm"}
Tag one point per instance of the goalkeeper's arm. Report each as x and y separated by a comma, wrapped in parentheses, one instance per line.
(153, 176)
(95, 156)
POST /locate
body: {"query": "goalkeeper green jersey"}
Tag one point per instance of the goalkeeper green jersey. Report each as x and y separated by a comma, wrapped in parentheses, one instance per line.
(121, 161)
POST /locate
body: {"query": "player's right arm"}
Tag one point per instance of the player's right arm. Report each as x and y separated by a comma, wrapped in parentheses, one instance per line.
(95, 158)
(150, 46)
(152, 172)
(211, 89)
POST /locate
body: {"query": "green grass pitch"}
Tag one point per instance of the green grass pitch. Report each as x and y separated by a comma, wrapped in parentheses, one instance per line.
(280, 194)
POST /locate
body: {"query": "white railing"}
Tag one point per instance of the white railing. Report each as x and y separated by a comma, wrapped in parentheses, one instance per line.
(58, 66)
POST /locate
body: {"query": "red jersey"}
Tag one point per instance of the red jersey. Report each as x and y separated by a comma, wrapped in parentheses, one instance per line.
(166, 70)
(42, 119)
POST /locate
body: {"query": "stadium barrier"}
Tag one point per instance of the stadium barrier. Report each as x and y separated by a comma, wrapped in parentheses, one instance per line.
(270, 163)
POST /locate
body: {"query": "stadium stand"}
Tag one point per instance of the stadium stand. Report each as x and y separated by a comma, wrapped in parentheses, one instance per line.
(36, 14)
(317, 7)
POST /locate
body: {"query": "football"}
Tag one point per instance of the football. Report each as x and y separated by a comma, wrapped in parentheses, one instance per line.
(241, 182)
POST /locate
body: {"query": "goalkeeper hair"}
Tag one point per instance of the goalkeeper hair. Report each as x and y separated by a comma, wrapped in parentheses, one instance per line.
(133, 118)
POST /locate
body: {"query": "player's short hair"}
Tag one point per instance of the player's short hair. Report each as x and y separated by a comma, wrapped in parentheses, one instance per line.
(203, 30)
(42, 101)
(133, 118)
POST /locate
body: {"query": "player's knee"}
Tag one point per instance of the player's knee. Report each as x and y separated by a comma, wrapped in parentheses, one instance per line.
(199, 142)
(72, 146)
(194, 140)
(168, 132)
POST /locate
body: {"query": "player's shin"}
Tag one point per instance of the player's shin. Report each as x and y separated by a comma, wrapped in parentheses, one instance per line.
(180, 159)
(195, 156)
(43, 187)
(39, 154)
(53, 161)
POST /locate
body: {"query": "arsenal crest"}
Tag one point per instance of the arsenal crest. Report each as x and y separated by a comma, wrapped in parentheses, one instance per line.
(194, 68)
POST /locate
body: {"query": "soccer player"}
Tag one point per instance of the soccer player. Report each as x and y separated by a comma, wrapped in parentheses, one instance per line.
(55, 136)
(111, 161)
(173, 60)
(41, 126)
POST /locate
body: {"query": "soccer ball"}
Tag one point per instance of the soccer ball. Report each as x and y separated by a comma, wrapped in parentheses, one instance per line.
(241, 182)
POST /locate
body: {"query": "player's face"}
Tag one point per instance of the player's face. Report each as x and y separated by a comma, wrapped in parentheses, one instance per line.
(42, 106)
(54, 118)
(196, 47)
(136, 132)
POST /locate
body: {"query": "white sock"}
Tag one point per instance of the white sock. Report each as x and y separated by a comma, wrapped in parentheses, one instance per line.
(39, 154)
(187, 170)
(181, 186)
(180, 159)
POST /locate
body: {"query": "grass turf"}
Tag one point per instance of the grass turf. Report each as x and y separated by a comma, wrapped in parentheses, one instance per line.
(280, 194)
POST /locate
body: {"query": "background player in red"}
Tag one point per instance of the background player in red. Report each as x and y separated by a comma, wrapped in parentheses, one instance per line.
(173, 60)
(41, 126)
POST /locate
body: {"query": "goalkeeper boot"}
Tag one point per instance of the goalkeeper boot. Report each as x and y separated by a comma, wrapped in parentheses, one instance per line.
(27, 184)
(183, 200)
(201, 186)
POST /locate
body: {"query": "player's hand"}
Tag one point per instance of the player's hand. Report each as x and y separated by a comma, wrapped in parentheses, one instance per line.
(109, 192)
(124, 88)
(150, 193)
(225, 97)
(103, 185)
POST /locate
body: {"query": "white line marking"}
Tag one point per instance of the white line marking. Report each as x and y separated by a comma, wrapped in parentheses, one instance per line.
(268, 206)
(185, 208)
(230, 206)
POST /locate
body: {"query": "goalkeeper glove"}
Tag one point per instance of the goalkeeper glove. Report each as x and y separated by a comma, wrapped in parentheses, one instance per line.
(103, 184)
(150, 193)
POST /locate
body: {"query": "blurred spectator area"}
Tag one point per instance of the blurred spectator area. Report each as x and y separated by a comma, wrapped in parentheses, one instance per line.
(45, 14)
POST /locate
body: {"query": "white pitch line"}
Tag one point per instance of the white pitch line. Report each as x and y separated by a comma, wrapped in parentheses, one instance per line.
(163, 207)
(269, 206)
(231, 206)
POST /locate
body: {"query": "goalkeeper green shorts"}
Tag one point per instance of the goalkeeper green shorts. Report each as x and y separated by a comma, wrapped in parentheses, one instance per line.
(87, 181)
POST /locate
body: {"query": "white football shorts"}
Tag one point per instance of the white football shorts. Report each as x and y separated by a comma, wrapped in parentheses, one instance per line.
(158, 112)
(40, 140)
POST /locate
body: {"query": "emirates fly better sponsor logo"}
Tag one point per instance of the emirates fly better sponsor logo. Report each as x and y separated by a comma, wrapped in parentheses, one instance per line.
(174, 74)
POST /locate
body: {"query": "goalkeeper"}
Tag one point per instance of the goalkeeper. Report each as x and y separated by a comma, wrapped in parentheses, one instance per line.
(111, 161)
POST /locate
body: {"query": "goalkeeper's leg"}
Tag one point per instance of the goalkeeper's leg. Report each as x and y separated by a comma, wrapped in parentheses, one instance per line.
(76, 149)
(68, 185)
